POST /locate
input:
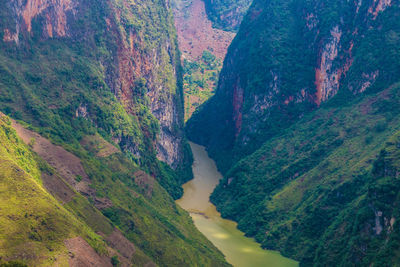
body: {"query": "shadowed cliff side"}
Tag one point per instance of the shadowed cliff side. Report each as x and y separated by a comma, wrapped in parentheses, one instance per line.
(289, 58)
(304, 126)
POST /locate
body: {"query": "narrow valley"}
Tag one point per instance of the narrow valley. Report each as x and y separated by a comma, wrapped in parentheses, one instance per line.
(212, 133)
(203, 50)
(240, 251)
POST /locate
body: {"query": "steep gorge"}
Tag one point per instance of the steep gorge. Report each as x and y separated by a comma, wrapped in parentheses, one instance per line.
(304, 126)
(95, 88)
(304, 111)
(274, 75)
(203, 50)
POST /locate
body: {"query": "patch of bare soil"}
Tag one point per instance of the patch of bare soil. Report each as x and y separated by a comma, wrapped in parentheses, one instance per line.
(195, 31)
(99, 146)
(81, 254)
(144, 181)
(121, 244)
(69, 169)
(125, 250)
(102, 203)
(57, 187)
(67, 164)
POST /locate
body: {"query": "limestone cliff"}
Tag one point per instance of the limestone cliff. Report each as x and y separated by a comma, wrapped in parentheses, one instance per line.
(227, 14)
(94, 91)
(288, 59)
(133, 52)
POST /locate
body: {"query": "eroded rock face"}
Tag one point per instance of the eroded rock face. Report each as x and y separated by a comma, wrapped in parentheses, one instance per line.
(54, 12)
(326, 78)
(133, 57)
(378, 6)
(290, 58)
(157, 67)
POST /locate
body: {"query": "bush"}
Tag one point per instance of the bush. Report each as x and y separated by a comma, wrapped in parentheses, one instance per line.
(13, 264)
(115, 260)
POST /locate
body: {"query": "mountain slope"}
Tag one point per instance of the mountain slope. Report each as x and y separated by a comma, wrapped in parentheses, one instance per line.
(34, 225)
(113, 64)
(95, 89)
(275, 74)
(55, 207)
(304, 127)
(325, 191)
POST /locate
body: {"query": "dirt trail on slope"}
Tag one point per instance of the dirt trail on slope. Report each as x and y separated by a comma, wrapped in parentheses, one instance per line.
(81, 254)
(67, 164)
(195, 31)
(69, 167)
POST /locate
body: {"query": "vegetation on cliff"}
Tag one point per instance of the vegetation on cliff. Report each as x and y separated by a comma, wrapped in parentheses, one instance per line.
(98, 85)
(227, 14)
(326, 190)
(200, 78)
(304, 127)
(284, 64)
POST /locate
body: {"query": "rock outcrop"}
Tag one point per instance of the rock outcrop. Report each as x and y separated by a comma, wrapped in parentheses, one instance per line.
(135, 54)
(286, 60)
(227, 14)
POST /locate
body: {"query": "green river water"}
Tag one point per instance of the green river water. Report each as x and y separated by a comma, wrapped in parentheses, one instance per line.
(240, 251)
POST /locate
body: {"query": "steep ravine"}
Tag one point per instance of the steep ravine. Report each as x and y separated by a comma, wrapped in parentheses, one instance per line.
(304, 128)
(196, 35)
(203, 50)
(240, 251)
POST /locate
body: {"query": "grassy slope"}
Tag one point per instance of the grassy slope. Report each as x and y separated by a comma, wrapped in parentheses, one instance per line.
(152, 222)
(313, 192)
(44, 81)
(33, 224)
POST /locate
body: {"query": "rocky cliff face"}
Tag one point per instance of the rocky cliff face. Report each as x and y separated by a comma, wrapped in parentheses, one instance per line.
(96, 89)
(275, 74)
(304, 125)
(53, 13)
(135, 53)
(227, 14)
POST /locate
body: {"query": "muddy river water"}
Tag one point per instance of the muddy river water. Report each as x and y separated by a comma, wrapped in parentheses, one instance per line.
(240, 251)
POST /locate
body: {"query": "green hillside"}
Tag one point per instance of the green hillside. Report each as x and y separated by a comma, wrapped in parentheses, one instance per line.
(321, 190)
(34, 225)
(304, 126)
(96, 89)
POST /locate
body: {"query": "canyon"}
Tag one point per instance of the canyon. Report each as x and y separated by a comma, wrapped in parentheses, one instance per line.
(297, 127)
(197, 39)
(95, 94)
(291, 109)
(239, 250)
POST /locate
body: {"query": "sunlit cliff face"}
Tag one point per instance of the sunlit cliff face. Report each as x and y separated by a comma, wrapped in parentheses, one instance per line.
(55, 13)
(131, 60)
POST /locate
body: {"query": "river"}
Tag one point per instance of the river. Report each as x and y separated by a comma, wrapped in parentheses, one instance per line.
(240, 251)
